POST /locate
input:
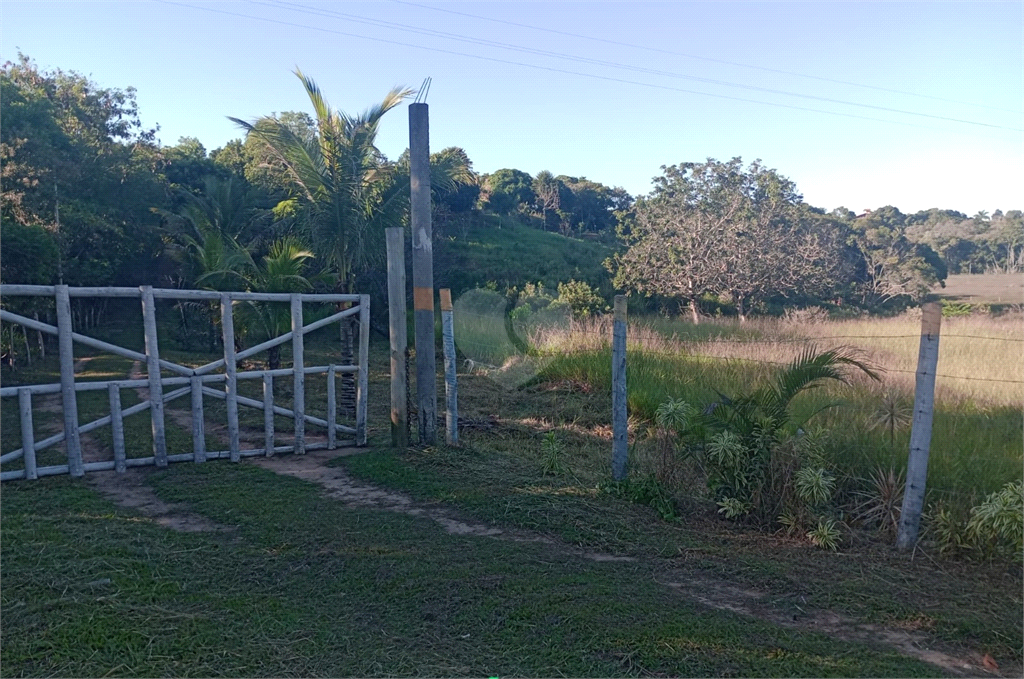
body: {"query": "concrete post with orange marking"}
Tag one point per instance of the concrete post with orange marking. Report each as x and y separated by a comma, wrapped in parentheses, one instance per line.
(423, 272)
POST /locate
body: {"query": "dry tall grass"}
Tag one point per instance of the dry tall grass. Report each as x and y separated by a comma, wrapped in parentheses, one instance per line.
(981, 358)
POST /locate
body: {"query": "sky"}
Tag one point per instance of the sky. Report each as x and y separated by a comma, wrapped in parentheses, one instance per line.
(861, 104)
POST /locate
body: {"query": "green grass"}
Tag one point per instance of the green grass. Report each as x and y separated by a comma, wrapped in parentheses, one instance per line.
(502, 251)
(305, 587)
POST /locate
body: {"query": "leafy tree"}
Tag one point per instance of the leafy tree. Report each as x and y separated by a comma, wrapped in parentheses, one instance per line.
(77, 162)
(36, 259)
(722, 229)
(590, 207)
(508, 191)
(547, 191)
(895, 266)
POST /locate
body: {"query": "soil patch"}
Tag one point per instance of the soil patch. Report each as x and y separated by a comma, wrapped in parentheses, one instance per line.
(713, 593)
(130, 490)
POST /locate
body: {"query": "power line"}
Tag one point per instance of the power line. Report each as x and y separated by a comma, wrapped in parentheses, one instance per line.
(701, 58)
(281, 4)
(545, 68)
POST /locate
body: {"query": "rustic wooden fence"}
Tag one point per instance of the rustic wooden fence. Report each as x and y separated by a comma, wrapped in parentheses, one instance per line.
(195, 382)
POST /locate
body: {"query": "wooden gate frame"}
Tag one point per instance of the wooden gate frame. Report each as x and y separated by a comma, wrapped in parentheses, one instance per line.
(192, 381)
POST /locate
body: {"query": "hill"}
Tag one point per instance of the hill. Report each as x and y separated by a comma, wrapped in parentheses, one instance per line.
(507, 253)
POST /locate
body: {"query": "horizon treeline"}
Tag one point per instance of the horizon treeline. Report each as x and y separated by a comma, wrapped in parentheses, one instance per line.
(89, 197)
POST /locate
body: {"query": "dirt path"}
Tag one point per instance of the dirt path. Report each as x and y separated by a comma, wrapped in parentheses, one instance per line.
(131, 490)
(715, 594)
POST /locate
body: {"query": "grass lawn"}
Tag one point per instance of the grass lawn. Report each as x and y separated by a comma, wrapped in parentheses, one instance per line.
(295, 583)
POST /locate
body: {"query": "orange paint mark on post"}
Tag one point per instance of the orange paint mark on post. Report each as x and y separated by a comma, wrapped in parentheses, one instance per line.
(446, 299)
(423, 299)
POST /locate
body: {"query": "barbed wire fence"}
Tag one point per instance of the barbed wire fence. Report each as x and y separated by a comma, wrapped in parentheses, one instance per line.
(979, 390)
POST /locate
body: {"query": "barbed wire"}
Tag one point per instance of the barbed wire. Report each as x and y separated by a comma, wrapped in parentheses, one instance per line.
(655, 335)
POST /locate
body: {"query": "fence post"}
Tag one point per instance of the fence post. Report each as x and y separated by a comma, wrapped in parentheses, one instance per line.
(921, 433)
(423, 271)
(398, 334)
(156, 389)
(28, 437)
(227, 321)
(451, 387)
(268, 413)
(362, 384)
(117, 427)
(332, 407)
(198, 423)
(67, 381)
(298, 368)
(620, 450)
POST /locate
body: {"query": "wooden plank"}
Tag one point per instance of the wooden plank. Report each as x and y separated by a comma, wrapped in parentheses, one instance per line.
(451, 387)
(90, 341)
(399, 338)
(67, 381)
(620, 430)
(198, 421)
(921, 431)
(332, 407)
(299, 377)
(362, 384)
(278, 410)
(156, 390)
(28, 437)
(231, 382)
(268, 413)
(117, 427)
(8, 289)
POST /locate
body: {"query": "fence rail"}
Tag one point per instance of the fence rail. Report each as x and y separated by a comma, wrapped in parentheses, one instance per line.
(192, 381)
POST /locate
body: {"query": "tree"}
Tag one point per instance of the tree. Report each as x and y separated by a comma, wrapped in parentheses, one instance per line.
(722, 229)
(74, 149)
(343, 190)
(547, 191)
(894, 265)
(509, 191)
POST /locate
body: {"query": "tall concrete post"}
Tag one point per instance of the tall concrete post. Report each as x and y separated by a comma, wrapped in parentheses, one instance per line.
(423, 271)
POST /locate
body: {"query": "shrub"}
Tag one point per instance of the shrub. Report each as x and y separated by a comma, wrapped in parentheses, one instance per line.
(996, 526)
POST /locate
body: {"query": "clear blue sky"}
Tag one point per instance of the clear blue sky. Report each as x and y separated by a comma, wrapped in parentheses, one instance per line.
(194, 63)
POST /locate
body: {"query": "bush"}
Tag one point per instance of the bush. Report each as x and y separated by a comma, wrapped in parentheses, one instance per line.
(993, 529)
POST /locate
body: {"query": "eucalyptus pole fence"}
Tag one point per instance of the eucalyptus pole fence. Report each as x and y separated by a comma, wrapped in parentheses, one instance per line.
(197, 382)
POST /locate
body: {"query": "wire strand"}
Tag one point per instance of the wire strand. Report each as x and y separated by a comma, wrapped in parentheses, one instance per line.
(282, 4)
(551, 69)
(702, 58)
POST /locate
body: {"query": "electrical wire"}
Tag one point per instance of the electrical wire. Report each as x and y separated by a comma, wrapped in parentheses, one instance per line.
(282, 4)
(702, 58)
(546, 68)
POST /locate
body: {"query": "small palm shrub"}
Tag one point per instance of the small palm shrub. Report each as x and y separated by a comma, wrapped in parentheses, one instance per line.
(761, 465)
(893, 413)
(996, 526)
(551, 455)
(880, 504)
(993, 529)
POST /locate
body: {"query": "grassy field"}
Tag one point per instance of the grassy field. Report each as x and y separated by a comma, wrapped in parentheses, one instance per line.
(994, 288)
(977, 433)
(298, 584)
(501, 251)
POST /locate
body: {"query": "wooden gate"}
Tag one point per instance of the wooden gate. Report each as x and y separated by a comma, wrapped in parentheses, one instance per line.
(194, 382)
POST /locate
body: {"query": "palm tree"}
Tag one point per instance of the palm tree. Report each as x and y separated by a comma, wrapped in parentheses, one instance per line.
(344, 190)
(280, 271)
